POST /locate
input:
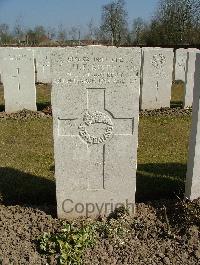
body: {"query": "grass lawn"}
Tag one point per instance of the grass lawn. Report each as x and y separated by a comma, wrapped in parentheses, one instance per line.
(26, 161)
(177, 93)
(43, 92)
(162, 156)
(27, 166)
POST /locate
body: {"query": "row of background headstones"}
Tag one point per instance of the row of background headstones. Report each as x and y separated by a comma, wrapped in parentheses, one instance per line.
(157, 74)
(160, 67)
(92, 170)
(18, 76)
(20, 69)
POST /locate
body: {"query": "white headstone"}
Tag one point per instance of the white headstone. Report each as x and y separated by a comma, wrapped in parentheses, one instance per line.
(42, 62)
(95, 102)
(157, 72)
(3, 52)
(192, 190)
(181, 64)
(19, 80)
(1, 59)
(188, 97)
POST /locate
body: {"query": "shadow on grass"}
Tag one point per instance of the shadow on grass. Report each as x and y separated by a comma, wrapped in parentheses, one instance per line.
(154, 181)
(176, 104)
(2, 108)
(17, 187)
(42, 105)
(160, 181)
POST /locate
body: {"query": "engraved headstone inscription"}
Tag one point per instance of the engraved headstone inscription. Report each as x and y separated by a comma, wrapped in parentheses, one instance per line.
(95, 100)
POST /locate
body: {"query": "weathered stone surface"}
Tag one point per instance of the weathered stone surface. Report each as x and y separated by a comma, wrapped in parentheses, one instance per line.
(192, 190)
(181, 64)
(95, 101)
(19, 80)
(1, 58)
(188, 97)
(157, 72)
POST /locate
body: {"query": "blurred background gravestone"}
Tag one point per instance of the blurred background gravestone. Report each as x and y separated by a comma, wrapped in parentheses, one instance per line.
(156, 82)
(18, 73)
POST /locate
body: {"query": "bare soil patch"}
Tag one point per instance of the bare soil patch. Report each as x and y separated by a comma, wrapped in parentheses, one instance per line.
(166, 232)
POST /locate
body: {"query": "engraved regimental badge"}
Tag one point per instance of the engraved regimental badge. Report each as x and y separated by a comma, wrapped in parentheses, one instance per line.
(96, 128)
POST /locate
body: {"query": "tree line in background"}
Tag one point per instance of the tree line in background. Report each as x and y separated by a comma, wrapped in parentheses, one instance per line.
(174, 22)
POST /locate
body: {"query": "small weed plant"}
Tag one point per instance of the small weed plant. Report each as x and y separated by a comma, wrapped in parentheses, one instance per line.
(69, 244)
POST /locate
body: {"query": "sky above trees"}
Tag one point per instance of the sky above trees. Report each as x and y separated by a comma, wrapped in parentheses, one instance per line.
(52, 13)
(113, 22)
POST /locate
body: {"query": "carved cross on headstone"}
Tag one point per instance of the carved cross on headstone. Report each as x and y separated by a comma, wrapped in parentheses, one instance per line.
(18, 78)
(95, 128)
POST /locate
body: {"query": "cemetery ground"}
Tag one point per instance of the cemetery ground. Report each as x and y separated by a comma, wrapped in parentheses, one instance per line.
(165, 229)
